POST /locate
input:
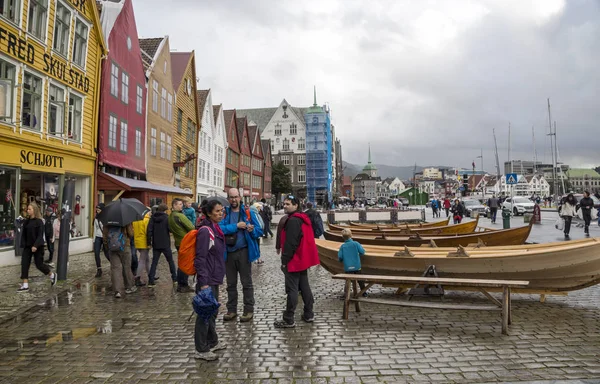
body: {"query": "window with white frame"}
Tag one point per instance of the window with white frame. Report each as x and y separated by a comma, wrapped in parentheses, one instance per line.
(301, 176)
(208, 171)
(277, 129)
(293, 129)
(153, 141)
(301, 143)
(7, 90)
(56, 110)
(38, 14)
(11, 10)
(139, 100)
(112, 132)
(138, 142)
(75, 117)
(202, 140)
(285, 159)
(216, 181)
(169, 147)
(80, 42)
(125, 87)
(114, 80)
(272, 146)
(170, 107)
(163, 103)
(216, 152)
(31, 105)
(123, 144)
(62, 28)
(301, 159)
(163, 145)
(155, 96)
(286, 144)
(201, 169)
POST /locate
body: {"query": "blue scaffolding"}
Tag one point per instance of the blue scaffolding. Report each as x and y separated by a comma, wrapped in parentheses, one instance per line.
(319, 164)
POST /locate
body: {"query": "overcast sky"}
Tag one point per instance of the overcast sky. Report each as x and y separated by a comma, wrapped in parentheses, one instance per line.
(423, 81)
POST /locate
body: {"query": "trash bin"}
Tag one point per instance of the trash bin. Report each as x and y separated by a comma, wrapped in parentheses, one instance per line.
(505, 218)
(527, 218)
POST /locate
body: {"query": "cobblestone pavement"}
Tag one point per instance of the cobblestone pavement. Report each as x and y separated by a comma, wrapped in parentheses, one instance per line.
(61, 339)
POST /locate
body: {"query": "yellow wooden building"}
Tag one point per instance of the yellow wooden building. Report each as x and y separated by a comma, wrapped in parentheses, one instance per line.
(50, 56)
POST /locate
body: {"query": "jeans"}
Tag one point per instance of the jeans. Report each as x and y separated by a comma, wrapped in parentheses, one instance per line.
(182, 278)
(587, 219)
(38, 258)
(205, 334)
(295, 281)
(267, 229)
(568, 220)
(99, 246)
(447, 211)
(143, 265)
(493, 213)
(155, 256)
(237, 262)
(120, 270)
(50, 246)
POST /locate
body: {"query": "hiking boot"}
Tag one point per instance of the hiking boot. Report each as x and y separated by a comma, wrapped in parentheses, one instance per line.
(307, 319)
(99, 272)
(246, 317)
(283, 324)
(131, 290)
(208, 356)
(219, 347)
(229, 316)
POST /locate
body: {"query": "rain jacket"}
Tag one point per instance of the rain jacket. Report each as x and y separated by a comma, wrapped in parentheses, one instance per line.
(350, 253)
(251, 237)
(140, 228)
(299, 250)
(157, 234)
(179, 225)
(210, 260)
(190, 213)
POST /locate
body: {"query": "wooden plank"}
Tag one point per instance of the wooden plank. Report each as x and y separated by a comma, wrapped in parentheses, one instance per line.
(433, 280)
(525, 291)
(436, 305)
(490, 297)
(346, 300)
(505, 305)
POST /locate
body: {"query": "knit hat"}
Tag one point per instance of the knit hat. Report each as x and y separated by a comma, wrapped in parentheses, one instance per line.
(100, 206)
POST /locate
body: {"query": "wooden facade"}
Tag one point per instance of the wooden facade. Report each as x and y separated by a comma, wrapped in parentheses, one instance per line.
(267, 169)
(257, 173)
(232, 163)
(245, 159)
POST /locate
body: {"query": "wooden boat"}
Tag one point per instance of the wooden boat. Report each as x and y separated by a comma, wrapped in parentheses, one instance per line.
(441, 223)
(462, 228)
(513, 236)
(551, 267)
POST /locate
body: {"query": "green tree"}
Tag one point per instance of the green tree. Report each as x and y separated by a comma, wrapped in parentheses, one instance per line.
(281, 179)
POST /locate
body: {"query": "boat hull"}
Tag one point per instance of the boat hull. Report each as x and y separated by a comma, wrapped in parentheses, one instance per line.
(441, 223)
(462, 228)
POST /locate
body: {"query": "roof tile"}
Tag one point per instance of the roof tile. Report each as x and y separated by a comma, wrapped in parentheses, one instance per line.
(149, 47)
(179, 63)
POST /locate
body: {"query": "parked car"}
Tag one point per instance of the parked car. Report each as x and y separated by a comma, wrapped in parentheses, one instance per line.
(518, 205)
(404, 201)
(473, 207)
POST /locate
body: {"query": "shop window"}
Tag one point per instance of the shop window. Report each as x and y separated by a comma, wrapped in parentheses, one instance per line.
(163, 103)
(56, 110)
(153, 141)
(155, 96)
(163, 145)
(170, 107)
(201, 169)
(155, 201)
(179, 120)
(38, 12)
(114, 80)
(81, 211)
(10, 10)
(62, 26)
(123, 144)
(75, 117)
(112, 132)
(125, 88)
(138, 142)
(80, 43)
(169, 147)
(7, 86)
(32, 101)
(139, 99)
(8, 186)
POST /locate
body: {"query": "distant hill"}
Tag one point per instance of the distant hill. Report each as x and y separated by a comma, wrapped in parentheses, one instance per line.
(384, 171)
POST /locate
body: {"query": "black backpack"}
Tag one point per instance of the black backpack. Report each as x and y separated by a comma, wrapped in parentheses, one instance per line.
(316, 222)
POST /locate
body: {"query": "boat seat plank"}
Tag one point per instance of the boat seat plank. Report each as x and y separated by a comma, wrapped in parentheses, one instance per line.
(436, 305)
(379, 279)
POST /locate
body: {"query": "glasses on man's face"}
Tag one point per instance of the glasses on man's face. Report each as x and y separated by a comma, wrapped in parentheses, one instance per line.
(233, 197)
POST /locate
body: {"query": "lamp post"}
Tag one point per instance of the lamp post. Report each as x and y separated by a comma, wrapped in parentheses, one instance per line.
(482, 173)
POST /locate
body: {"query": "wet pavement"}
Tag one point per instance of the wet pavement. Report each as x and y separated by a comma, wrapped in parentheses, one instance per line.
(79, 333)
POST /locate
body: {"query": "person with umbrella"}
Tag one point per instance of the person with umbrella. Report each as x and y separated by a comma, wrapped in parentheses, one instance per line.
(210, 271)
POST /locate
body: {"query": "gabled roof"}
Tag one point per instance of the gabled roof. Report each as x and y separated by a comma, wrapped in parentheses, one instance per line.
(179, 63)
(201, 97)
(228, 117)
(254, 139)
(364, 176)
(266, 148)
(149, 49)
(260, 116)
(216, 111)
(475, 179)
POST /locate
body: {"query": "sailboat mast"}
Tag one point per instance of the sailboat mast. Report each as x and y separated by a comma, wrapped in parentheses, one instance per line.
(552, 147)
(558, 168)
(534, 151)
(496, 153)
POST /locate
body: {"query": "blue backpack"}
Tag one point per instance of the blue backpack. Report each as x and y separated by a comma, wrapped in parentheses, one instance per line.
(116, 240)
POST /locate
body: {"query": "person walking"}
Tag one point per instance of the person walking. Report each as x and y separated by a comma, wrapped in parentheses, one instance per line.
(180, 225)
(493, 203)
(32, 242)
(567, 210)
(447, 206)
(210, 271)
(159, 239)
(586, 204)
(298, 254)
(350, 253)
(242, 231)
(99, 241)
(458, 211)
(49, 218)
(115, 240)
(434, 207)
(268, 217)
(140, 238)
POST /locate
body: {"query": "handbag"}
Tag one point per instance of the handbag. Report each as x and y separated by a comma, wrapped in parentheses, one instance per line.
(560, 224)
(231, 240)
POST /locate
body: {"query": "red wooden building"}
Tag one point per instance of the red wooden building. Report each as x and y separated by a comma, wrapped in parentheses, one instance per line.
(232, 163)
(245, 159)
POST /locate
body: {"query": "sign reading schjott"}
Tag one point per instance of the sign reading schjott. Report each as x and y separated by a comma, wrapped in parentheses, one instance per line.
(41, 159)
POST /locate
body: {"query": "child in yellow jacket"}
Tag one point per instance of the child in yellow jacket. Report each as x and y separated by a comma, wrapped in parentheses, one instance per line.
(140, 241)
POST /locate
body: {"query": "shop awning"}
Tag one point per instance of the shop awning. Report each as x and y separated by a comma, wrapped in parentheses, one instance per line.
(126, 184)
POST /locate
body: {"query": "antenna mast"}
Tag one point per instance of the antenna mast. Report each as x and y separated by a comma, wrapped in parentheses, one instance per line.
(553, 148)
(496, 152)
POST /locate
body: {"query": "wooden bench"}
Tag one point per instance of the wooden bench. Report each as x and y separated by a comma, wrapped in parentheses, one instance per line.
(479, 284)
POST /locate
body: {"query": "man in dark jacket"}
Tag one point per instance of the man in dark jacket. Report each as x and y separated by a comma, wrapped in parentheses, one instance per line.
(49, 218)
(298, 253)
(160, 240)
(586, 204)
(267, 216)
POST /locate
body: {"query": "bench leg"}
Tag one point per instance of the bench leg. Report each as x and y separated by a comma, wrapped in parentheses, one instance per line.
(346, 300)
(505, 309)
(509, 306)
(356, 291)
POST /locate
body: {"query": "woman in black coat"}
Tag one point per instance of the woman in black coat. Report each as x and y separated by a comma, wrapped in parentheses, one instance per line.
(32, 242)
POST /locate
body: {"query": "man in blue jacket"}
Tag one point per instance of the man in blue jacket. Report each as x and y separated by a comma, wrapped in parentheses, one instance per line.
(242, 231)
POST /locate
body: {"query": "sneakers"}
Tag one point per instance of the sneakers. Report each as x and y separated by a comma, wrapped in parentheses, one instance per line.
(23, 289)
(284, 324)
(229, 316)
(131, 290)
(138, 282)
(310, 319)
(246, 317)
(151, 285)
(219, 347)
(184, 289)
(98, 272)
(53, 278)
(118, 295)
(207, 356)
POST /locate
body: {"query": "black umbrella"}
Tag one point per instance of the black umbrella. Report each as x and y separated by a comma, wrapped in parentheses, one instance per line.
(223, 201)
(123, 212)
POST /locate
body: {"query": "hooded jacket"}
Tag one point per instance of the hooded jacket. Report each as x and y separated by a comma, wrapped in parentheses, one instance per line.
(251, 237)
(33, 233)
(210, 260)
(179, 225)
(157, 234)
(350, 253)
(299, 248)
(586, 204)
(190, 213)
(140, 229)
